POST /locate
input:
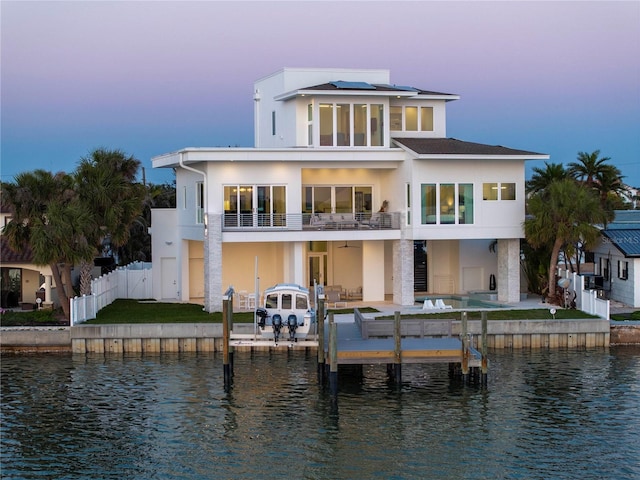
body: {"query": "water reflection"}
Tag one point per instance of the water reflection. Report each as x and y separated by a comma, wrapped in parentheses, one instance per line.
(547, 414)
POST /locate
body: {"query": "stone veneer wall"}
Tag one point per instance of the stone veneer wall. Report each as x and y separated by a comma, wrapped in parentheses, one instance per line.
(213, 264)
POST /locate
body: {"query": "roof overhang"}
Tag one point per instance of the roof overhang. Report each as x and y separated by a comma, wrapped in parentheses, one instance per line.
(453, 149)
(344, 93)
(383, 157)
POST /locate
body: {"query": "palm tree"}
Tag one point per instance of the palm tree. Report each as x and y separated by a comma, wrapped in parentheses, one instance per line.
(47, 217)
(542, 177)
(564, 214)
(138, 247)
(588, 167)
(105, 182)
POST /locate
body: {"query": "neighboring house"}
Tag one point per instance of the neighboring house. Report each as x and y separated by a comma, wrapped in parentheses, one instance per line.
(352, 182)
(20, 279)
(617, 259)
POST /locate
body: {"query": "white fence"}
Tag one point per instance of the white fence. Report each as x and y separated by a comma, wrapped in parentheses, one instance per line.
(586, 300)
(132, 281)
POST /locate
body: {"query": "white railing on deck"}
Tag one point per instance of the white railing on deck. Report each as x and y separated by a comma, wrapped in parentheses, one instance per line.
(586, 300)
(131, 281)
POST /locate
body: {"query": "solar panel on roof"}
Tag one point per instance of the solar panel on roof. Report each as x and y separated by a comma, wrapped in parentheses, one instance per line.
(353, 85)
(405, 88)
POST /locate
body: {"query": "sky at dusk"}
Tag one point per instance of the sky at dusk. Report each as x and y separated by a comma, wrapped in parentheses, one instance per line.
(151, 77)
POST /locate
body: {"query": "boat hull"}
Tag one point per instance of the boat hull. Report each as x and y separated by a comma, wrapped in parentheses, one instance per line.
(286, 314)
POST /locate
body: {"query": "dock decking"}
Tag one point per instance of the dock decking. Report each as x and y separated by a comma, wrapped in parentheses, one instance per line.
(352, 348)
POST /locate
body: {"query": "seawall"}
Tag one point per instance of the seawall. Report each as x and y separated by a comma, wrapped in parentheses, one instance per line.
(207, 337)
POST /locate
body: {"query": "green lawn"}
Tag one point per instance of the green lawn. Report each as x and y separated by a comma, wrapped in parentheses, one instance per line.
(134, 311)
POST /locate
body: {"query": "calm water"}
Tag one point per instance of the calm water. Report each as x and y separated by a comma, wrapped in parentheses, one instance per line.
(544, 415)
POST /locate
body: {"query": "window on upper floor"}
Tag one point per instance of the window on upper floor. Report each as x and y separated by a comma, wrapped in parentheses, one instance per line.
(447, 204)
(499, 191)
(408, 202)
(310, 124)
(200, 202)
(347, 124)
(411, 118)
(255, 205)
(354, 199)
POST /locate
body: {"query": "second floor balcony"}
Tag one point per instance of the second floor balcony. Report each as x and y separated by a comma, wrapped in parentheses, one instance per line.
(306, 221)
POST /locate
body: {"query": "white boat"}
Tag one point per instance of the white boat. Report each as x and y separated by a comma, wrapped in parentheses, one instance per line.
(286, 309)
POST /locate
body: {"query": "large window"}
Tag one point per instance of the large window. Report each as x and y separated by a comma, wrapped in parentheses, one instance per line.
(255, 205)
(345, 124)
(447, 204)
(337, 199)
(326, 124)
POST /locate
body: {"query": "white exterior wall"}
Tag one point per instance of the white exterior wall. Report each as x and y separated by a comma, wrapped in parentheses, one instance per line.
(624, 291)
(492, 219)
(477, 264)
(165, 243)
(187, 215)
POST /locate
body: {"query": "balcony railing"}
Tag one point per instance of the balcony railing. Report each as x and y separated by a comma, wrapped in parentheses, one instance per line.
(308, 221)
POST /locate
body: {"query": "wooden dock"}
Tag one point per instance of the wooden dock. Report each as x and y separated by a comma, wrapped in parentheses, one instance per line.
(353, 348)
(368, 341)
(396, 342)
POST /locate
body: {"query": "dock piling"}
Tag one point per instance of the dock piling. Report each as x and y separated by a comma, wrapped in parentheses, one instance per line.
(483, 348)
(227, 350)
(320, 324)
(397, 340)
(465, 347)
(333, 359)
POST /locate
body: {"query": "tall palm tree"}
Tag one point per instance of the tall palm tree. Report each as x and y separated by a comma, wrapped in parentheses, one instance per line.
(610, 187)
(47, 216)
(588, 167)
(562, 215)
(105, 182)
(542, 177)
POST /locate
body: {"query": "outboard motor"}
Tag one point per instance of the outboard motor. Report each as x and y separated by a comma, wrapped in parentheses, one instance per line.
(292, 323)
(276, 322)
(262, 317)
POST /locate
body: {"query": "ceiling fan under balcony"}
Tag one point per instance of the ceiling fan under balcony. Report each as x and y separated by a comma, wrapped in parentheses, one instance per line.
(346, 245)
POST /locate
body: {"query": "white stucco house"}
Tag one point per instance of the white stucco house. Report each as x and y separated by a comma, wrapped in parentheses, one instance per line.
(617, 259)
(332, 147)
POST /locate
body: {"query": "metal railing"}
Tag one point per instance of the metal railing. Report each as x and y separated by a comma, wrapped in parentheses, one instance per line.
(307, 221)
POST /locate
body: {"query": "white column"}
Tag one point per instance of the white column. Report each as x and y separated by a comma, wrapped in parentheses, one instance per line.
(509, 270)
(47, 290)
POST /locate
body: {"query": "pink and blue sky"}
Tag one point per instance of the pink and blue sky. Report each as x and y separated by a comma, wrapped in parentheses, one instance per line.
(150, 77)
